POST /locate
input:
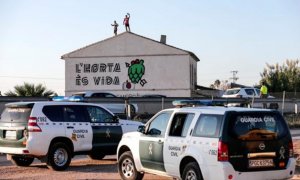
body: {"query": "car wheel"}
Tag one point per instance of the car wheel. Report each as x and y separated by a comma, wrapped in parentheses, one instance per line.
(96, 156)
(59, 157)
(127, 169)
(192, 172)
(21, 161)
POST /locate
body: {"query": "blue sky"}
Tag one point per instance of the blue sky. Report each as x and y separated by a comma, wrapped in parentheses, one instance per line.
(226, 34)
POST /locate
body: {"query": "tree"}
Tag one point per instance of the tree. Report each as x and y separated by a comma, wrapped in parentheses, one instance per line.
(28, 89)
(221, 85)
(282, 78)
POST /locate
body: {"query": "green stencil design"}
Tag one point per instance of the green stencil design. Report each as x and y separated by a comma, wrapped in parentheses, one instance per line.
(136, 71)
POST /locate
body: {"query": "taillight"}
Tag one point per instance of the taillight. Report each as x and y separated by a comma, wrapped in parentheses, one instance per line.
(33, 126)
(222, 151)
(291, 149)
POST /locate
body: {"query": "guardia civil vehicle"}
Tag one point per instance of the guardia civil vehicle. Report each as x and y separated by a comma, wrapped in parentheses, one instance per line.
(56, 131)
(211, 143)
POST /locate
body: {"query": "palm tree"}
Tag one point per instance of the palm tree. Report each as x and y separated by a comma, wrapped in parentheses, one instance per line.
(28, 89)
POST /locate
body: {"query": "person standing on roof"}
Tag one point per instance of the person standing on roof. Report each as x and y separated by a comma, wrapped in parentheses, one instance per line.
(264, 93)
(126, 22)
(115, 27)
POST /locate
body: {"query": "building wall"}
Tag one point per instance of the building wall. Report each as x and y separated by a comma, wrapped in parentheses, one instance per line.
(163, 74)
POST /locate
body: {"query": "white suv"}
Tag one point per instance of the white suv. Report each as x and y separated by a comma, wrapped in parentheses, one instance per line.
(56, 131)
(209, 143)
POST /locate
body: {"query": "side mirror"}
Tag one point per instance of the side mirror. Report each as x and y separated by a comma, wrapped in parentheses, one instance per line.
(141, 129)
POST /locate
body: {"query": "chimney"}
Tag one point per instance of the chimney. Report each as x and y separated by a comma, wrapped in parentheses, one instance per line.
(163, 39)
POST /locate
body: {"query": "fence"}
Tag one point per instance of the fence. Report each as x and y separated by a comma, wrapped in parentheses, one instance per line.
(153, 105)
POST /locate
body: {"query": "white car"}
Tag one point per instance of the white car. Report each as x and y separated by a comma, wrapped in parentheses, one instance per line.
(117, 108)
(249, 92)
(56, 131)
(242, 93)
(213, 143)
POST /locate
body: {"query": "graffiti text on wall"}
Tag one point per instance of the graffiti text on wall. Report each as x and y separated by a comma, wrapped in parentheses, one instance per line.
(96, 69)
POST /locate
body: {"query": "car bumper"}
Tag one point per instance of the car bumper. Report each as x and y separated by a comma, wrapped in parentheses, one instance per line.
(226, 170)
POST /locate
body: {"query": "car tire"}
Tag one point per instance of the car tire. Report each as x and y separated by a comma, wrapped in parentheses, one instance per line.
(191, 171)
(21, 161)
(96, 155)
(59, 157)
(127, 169)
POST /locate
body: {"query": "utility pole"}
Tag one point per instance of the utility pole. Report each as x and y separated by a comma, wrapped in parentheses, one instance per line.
(234, 77)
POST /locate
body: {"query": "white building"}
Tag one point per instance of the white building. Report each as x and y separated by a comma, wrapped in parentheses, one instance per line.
(131, 65)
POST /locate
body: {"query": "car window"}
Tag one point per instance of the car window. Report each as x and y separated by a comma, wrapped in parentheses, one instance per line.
(250, 92)
(15, 114)
(257, 126)
(75, 114)
(208, 125)
(99, 115)
(257, 91)
(180, 124)
(159, 124)
(54, 113)
(102, 95)
(231, 91)
(79, 94)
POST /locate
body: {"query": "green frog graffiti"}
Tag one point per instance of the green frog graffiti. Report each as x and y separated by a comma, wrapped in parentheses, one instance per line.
(136, 71)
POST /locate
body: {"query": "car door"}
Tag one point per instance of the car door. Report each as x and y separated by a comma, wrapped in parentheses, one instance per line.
(78, 129)
(107, 131)
(177, 140)
(151, 143)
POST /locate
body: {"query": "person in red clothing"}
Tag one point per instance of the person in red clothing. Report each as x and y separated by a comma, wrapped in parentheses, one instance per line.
(126, 22)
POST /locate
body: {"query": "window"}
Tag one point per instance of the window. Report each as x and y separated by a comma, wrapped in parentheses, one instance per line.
(102, 95)
(159, 124)
(208, 126)
(256, 126)
(15, 114)
(257, 91)
(99, 115)
(180, 124)
(75, 114)
(54, 113)
(232, 91)
(250, 92)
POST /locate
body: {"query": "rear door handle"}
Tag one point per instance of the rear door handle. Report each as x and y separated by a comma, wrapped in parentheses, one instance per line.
(160, 141)
(70, 127)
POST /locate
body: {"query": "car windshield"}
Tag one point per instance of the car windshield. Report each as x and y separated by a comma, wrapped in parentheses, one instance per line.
(231, 91)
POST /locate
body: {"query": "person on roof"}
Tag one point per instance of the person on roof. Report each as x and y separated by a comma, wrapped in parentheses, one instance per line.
(115, 25)
(126, 22)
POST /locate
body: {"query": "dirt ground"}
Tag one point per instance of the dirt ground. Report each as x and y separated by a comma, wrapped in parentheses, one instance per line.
(80, 168)
(83, 168)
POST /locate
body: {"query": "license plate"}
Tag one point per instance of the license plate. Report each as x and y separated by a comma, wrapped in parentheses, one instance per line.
(254, 163)
(11, 135)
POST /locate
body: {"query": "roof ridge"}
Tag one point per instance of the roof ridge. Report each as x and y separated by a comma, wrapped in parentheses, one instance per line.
(189, 52)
